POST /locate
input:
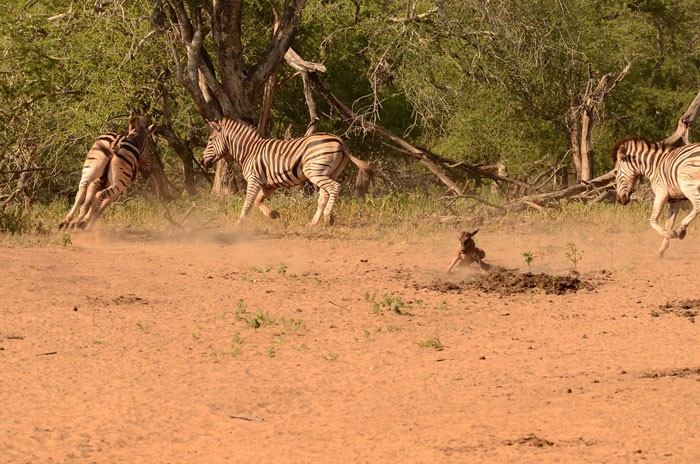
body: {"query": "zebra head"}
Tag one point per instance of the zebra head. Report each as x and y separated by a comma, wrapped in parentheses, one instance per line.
(626, 174)
(142, 134)
(216, 146)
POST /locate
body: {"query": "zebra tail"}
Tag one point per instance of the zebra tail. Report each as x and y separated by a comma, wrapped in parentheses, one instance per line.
(364, 178)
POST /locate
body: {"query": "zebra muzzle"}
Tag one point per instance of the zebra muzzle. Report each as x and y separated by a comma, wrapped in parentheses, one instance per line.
(623, 199)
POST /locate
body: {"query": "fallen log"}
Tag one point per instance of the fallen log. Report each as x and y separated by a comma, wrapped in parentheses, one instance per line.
(597, 187)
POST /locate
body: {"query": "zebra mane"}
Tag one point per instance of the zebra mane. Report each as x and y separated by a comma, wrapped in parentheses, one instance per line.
(232, 122)
(635, 140)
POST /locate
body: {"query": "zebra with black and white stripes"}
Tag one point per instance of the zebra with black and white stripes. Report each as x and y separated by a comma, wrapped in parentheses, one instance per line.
(674, 175)
(132, 155)
(92, 178)
(269, 164)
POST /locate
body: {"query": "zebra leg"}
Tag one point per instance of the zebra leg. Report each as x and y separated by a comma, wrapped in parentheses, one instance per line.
(85, 210)
(251, 195)
(672, 212)
(659, 203)
(264, 193)
(322, 201)
(102, 200)
(687, 220)
(333, 188)
(94, 167)
(119, 179)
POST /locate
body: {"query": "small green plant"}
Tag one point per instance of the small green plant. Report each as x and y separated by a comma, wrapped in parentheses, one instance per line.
(144, 326)
(433, 342)
(292, 325)
(236, 343)
(393, 328)
(573, 254)
(282, 270)
(528, 257)
(196, 336)
(259, 270)
(257, 320)
(271, 352)
(388, 303)
(65, 239)
(330, 357)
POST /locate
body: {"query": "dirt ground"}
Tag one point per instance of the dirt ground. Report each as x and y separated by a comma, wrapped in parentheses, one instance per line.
(227, 347)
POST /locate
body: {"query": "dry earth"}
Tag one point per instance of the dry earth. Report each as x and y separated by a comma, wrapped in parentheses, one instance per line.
(224, 347)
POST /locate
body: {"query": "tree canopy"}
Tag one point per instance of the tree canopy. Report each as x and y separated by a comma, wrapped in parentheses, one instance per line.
(506, 81)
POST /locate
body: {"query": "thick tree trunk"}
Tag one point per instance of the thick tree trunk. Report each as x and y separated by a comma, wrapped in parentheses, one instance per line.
(225, 84)
(228, 179)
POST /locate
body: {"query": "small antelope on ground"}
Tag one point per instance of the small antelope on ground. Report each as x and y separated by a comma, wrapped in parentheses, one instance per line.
(468, 252)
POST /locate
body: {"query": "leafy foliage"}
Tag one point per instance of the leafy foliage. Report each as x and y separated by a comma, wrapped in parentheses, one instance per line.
(474, 81)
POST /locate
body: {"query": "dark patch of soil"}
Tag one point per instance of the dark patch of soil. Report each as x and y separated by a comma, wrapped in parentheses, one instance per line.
(684, 372)
(530, 440)
(683, 308)
(128, 299)
(509, 282)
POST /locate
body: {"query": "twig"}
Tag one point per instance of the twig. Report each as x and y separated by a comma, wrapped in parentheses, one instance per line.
(246, 417)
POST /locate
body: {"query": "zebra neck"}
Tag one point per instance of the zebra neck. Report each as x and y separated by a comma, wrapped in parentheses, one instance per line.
(242, 141)
(646, 163)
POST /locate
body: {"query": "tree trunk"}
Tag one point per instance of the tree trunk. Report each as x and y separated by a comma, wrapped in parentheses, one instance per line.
(586, 169)
(574, 134)
(228, 179)
(685, 124)
(225, 84)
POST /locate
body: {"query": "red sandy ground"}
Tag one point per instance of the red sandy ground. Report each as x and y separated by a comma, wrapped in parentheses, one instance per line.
(146, 351)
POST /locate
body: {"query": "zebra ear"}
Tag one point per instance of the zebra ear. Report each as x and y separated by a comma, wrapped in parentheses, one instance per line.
(215, 125)
(622, 153)
(152, 128)
(474, 233)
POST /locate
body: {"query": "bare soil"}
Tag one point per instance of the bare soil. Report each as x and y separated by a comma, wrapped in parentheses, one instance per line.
(225, 346)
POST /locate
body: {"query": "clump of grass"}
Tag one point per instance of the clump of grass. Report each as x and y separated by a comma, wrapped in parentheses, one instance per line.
(388, 303)
(144, 326)
(330, 357)
(433, 342)
(259, 319)
(236, 343)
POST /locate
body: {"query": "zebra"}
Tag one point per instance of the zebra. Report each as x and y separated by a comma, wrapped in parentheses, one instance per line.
(674, 175)
(92, 178)
(269, 164)
(133, 154)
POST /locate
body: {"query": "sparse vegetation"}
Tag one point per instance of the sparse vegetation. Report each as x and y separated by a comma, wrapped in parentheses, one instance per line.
(433, 342)
(144, 326)
(236, 344)
(528, 257)
(259, 319)
(573, 254)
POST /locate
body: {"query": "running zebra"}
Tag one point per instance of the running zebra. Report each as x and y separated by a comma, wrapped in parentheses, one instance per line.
(92, 178)
(269, 164)
(133, 154)
(674, 175)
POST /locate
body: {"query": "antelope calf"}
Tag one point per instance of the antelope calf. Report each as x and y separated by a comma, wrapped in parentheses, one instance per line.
(468, 252)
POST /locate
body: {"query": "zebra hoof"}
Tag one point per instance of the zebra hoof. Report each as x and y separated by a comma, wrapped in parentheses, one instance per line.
(330, 220)
(274, 215)
(62, 225)
(671, 234)
(81, 225)
(681, 234)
